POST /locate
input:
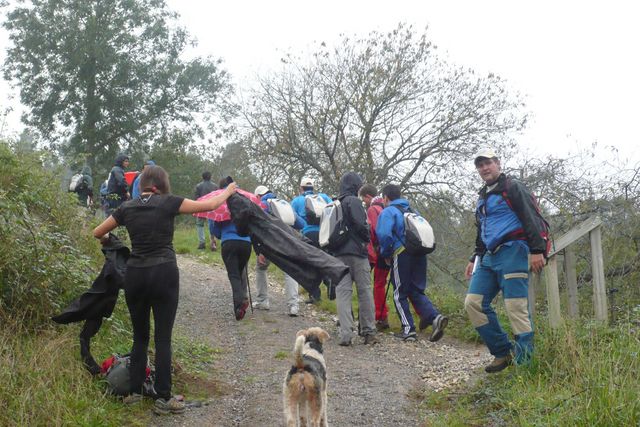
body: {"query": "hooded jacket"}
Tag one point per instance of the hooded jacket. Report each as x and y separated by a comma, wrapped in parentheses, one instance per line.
(373, 212)
(355, 217)
(298, 206)
(390, 227)
(117, 184)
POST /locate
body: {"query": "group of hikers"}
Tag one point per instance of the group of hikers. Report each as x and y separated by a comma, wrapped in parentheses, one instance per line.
(510, 242)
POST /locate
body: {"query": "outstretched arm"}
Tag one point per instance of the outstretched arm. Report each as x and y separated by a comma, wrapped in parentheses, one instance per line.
(102, 231)
(194, 206)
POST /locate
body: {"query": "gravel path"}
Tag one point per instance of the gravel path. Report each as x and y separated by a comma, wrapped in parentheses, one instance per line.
(367, 385)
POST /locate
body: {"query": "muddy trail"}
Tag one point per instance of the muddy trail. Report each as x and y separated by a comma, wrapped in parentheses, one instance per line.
(367, 385)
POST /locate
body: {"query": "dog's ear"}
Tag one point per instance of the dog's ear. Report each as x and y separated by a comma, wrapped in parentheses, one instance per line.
(301, 332)
(324, 335)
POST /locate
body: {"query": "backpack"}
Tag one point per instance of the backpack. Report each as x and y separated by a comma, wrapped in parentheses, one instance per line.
(333, 226)
(116, 371)
(545, 228)
(282, 210)
(418, 234)
(77, 183)
(313, 207)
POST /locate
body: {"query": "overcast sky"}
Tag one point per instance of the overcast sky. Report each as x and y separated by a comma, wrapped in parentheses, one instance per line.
(576, 63)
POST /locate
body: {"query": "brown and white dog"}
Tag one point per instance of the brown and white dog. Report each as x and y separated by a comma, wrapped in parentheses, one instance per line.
(305, 386)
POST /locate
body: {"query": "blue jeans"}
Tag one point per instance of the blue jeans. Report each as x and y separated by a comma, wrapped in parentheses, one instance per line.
(506, 270)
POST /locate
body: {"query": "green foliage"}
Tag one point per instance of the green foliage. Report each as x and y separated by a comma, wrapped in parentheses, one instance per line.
(46, 252)
(585, 375)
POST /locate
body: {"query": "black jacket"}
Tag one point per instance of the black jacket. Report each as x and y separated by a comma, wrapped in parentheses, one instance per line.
(283, 246)
(117, 183)
(355, 215)
(204, 187)
(100, 300)
(525, 208)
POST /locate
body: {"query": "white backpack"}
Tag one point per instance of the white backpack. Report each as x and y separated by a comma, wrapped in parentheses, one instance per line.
(418, 234)
(333, 226)
(313, 207)
(282, 209)
(77, 182)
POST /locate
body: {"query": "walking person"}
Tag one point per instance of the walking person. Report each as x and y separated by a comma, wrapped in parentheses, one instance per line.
(205, 187)
(236, 251)
(311, 222)
(374, 204)
(151, 281)
(262, 265)
(508, 241)
(408, 271)
(353, 252)
(85, 190)
(117, 187)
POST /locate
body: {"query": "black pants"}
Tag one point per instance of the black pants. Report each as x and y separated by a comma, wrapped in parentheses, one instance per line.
(152, 288)
(314, 288)
(236, 254)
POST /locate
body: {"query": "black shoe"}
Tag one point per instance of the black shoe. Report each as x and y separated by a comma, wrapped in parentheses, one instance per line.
(242, 310)
(498, 364)
(201, 246)
(382, 325)
(410, 337)
(439, 323)
(312, 300)
(370, 339)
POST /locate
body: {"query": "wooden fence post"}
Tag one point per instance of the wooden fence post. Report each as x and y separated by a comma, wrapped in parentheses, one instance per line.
(572, 281)
(534, 280)
(599, 289)
(553, 293)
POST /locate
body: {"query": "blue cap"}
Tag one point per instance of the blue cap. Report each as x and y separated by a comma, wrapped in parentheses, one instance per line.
(150, 163)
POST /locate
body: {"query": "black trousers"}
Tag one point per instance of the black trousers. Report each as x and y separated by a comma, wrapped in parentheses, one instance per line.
(152, 288)
(314, 288)
(236, 254)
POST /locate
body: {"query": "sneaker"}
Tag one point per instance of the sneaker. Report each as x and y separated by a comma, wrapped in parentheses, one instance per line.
(498, 364)
(242, 310)
(410, 337)
(370, 339)
(132, 398)
(261, 305)
(293, 311)
(382, 325)
(201, 246)
(439, 323)
(166, 407)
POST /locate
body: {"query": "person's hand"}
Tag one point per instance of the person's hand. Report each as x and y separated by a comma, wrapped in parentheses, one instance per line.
(536, 262)
(262, 260)
(468, 271)
(387, 261)
(231, 188)
(104, 239)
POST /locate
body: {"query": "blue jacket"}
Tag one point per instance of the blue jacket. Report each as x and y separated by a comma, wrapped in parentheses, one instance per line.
(298, 224)
(226, 230)
(135, 188)
(298, 207)
(390, 228)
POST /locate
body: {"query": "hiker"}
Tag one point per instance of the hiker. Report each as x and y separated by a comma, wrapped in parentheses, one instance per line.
(353, 252)
(135, 186)
(205, 187)
(236, 251)
(311, 228)
(85, 190)
(374, 204)
(117, 187)
(408, 271)
(262, 263)
(151, 281)
(508, 241)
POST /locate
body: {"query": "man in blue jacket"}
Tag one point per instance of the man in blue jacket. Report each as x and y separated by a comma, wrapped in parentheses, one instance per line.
(508, 240)
(311, 228)
(408, 271)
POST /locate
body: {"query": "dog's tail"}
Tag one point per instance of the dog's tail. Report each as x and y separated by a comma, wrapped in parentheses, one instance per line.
(297, 352)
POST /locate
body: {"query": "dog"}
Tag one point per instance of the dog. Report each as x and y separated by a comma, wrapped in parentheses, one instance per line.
(305, 385)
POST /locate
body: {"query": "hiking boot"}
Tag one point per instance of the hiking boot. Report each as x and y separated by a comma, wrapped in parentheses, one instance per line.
(242, 310)
(201, 245)
(498, 364)
(312, 300)
(382, 325)
(166, 407)
(344, 343)
(439, 323)
(293, 311)
(410, 337)
(261, 305)
(132, 398)
(370, 339)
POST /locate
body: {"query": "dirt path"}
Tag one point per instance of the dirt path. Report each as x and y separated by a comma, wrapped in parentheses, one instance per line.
(368, 385)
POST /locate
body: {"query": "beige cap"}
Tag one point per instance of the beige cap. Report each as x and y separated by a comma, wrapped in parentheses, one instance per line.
(485, 153)
(260, 190)
(306, 182)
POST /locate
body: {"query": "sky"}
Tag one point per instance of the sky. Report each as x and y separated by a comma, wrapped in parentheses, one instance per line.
(575, 63)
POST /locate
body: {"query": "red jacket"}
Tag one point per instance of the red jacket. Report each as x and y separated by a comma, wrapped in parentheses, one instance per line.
(373, 212)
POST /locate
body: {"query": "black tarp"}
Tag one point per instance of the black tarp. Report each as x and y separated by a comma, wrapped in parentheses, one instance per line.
(283, 246)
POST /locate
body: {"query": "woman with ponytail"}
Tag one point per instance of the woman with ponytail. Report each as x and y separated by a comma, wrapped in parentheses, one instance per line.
(152, 279)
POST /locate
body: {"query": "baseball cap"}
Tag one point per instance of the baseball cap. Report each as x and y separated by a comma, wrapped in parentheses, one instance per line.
(150, 163)
(260, 190)
(306, 182)
(486, 153)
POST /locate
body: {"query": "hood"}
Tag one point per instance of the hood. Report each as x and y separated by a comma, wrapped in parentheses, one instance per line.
(403, 203)
(86, 170)
(379, 201)
(350, 183)
(120, 159)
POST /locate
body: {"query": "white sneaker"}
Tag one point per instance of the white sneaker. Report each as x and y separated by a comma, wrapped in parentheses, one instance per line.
(261, 305)
(293, 311)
